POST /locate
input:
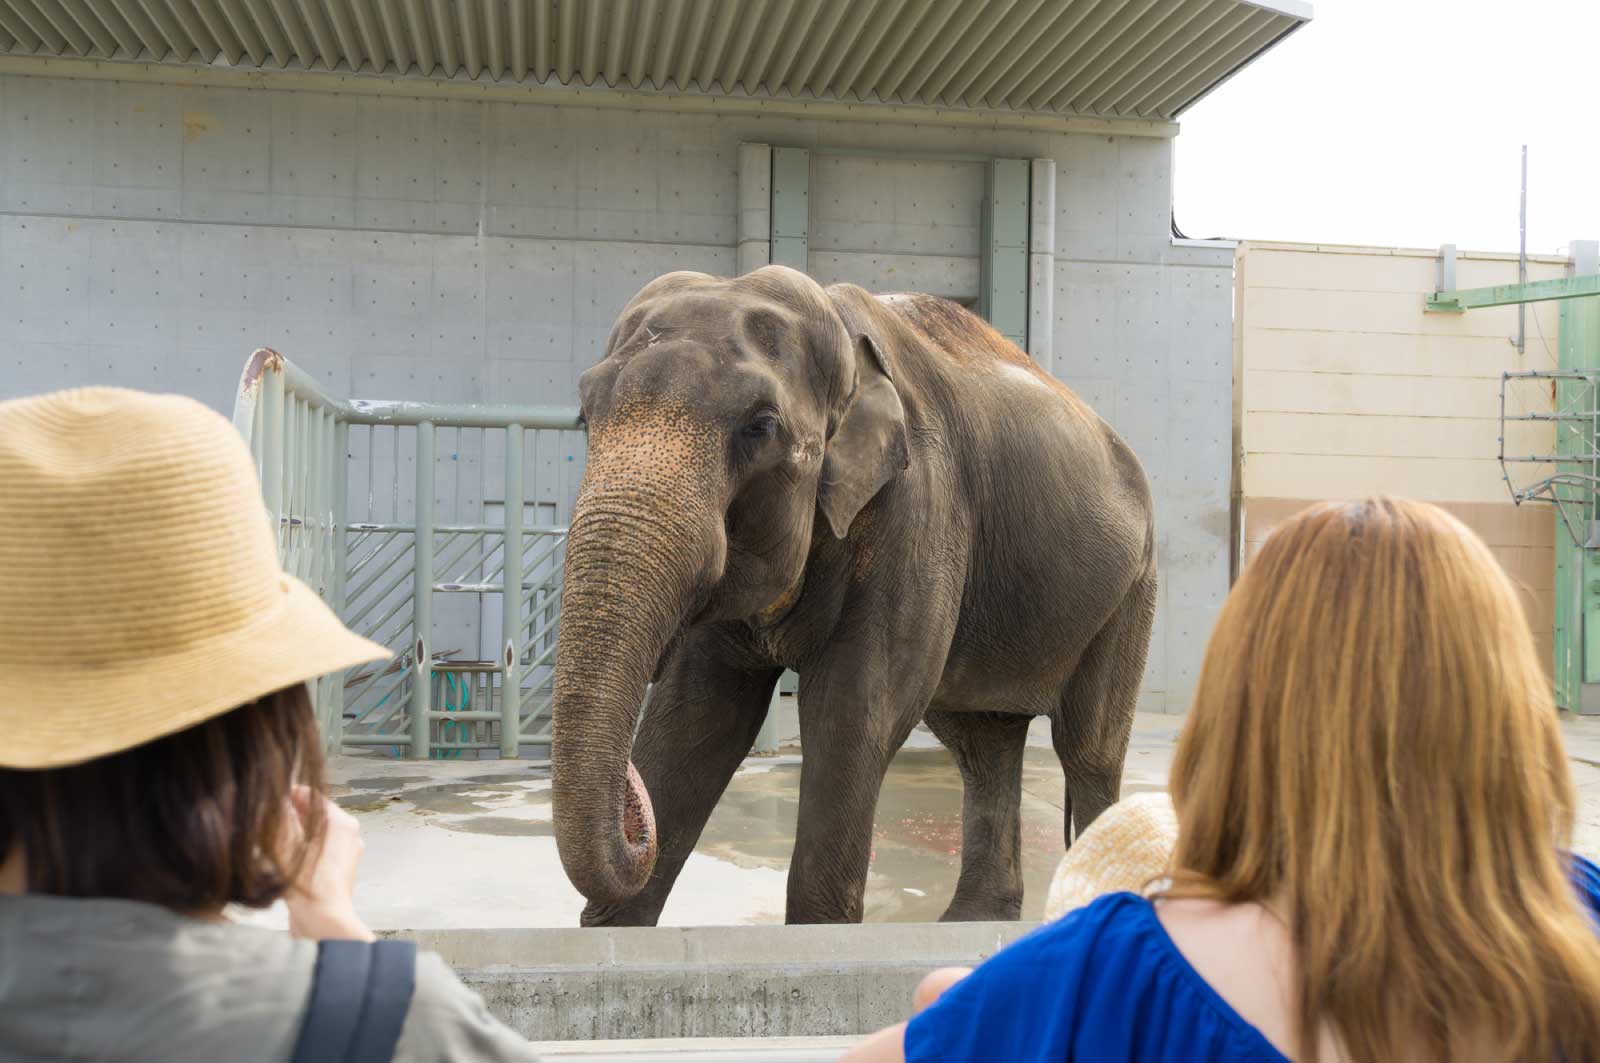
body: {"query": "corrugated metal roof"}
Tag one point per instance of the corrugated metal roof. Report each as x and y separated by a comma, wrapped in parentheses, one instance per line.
(1105, 58)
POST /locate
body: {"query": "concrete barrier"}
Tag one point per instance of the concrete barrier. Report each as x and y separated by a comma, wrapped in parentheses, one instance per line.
(602, 984)
(699, 1050)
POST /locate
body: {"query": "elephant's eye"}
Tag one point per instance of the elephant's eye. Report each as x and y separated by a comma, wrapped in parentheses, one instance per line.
(760, 426)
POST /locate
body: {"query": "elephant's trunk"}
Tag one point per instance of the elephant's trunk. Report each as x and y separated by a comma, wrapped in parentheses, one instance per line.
(635, 564)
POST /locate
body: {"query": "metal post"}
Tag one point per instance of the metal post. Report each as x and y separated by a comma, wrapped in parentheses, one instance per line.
(422, 591)
(316, 518)
(511, 599)
(340, 549)
(1522, 256)
(272, 451)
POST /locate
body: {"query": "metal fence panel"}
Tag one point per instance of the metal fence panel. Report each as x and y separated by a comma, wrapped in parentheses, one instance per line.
(354, 488)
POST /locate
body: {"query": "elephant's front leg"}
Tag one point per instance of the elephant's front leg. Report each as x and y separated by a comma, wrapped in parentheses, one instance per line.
(701, 722)
(849, 732)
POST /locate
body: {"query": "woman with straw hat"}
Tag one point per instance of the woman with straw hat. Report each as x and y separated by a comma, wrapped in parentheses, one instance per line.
(1372, 802)
(159, 761)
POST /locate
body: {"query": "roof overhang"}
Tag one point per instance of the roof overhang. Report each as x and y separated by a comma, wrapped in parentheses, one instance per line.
(1118, 61)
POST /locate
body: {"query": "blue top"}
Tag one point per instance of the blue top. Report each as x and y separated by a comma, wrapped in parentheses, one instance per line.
(1104, 983)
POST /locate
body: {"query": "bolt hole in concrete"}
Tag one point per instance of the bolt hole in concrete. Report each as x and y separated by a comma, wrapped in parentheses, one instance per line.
(468, 843)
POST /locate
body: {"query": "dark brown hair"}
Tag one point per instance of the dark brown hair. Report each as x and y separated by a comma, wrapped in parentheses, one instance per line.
(191, 821)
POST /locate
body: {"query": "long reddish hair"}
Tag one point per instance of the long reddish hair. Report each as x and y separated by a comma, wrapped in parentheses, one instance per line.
(1374, 749)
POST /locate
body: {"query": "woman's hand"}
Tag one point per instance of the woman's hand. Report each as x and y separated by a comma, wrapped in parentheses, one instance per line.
(320, 902)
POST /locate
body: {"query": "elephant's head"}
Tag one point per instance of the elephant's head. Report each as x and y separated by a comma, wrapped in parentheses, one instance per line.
(727, 419)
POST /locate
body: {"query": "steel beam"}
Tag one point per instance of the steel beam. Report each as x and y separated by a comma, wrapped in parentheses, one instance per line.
(1456, 301)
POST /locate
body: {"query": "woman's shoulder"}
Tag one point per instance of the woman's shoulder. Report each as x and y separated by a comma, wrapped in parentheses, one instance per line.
(1103, 982)
(1585, 875)
(449, 1020)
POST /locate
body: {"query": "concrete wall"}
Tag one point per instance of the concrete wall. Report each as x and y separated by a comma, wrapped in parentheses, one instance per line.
(152, 235)
(663, 982)
(1350, 389)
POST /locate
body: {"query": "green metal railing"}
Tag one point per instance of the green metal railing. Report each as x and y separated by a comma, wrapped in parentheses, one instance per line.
(375, 576)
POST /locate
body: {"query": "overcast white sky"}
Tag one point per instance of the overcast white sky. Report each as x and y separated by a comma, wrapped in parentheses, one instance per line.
(1398, 123)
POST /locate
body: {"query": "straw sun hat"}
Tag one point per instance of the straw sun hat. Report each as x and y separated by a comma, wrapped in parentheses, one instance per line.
(1127, 846)
(140, 591)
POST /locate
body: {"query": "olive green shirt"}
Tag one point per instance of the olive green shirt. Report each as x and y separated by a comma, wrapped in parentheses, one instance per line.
(95, 981)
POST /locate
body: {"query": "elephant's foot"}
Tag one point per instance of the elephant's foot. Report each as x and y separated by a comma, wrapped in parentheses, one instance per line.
(984, 906)
(628, 913)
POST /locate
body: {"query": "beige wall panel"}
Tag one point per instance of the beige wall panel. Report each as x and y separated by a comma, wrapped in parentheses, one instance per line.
(1539, 607)
(1483, 272)
(1504, 524)
(1390, 353)
(1320, 476)
(1343, 311)
(1400, 437)
(1262, 515)
(1328, 272)
(1418, 396)
(1529, 561)
(1380, 269)
(1532, 567)
(1500, 524)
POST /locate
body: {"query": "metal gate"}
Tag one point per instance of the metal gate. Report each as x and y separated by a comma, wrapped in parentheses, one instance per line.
(470, 673)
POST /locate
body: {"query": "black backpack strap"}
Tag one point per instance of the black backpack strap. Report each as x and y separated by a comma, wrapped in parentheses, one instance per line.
(359, 997)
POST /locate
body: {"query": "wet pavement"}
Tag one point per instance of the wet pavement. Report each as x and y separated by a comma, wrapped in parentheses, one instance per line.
(470, 843)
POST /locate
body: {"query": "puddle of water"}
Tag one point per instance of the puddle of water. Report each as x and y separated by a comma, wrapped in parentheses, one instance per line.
(462, 797)
(386, 782)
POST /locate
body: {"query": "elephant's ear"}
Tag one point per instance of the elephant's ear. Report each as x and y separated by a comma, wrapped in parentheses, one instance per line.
(869, 447)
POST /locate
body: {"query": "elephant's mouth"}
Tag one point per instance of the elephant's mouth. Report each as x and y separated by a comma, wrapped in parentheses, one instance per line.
(638, 819)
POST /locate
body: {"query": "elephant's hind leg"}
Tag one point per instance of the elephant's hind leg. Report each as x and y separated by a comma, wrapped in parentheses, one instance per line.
(1090, 730)
(988, 747)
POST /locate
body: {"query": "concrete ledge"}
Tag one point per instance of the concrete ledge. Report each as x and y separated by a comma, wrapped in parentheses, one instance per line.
(587, 985)
(700, 1050)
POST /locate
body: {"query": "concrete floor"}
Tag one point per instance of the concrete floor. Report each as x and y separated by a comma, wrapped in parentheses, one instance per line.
(452, 844)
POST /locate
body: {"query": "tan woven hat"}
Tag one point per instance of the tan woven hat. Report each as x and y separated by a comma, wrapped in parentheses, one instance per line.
(1127, 846)
(140, 591)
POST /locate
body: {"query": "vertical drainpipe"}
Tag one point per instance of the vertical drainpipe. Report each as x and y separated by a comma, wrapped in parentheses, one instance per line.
(511, 599)
(422, 594)
(1042, 262)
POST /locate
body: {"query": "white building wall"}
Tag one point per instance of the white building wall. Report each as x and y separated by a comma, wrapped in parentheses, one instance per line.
(153, 235)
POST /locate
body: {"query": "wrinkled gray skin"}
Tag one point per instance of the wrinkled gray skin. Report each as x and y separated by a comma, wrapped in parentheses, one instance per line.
(880, 493)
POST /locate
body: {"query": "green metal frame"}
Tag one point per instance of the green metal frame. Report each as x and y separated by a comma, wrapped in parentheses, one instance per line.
(1573, 488)
(1459, 300)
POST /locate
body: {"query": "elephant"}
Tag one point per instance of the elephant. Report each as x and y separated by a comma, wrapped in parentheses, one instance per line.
(879, 492)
